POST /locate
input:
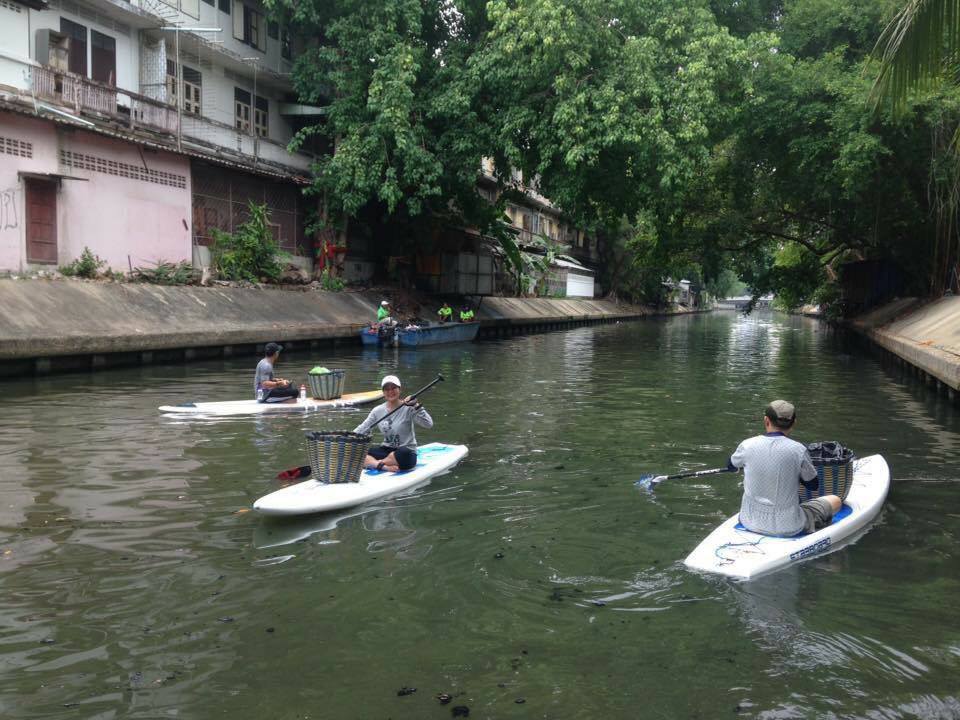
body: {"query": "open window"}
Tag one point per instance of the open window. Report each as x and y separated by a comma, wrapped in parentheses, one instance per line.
(53, 49)
(249, 26)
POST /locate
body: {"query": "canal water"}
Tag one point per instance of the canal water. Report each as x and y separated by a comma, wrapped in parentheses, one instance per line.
(534, 581)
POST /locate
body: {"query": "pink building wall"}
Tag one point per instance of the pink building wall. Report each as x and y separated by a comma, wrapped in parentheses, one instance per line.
(132, 206)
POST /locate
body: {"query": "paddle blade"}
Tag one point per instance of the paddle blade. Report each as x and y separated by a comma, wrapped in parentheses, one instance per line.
(294, 473)
(647, 482)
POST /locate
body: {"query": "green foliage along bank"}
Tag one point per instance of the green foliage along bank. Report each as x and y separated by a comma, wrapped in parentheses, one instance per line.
(694, 138)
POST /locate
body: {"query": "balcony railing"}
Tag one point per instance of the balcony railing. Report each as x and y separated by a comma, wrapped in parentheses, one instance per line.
(131, 110)
(73, 91)
(92, 98)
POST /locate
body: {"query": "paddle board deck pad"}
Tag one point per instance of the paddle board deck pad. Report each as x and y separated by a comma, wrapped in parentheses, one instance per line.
(314, 496)
(734, 551)
(252, 407)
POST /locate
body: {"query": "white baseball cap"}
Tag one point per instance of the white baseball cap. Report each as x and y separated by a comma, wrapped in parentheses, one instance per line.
(384, 303)
(390, 379)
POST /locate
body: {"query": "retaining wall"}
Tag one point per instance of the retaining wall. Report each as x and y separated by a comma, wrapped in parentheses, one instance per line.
(56, 325)
(926, 335)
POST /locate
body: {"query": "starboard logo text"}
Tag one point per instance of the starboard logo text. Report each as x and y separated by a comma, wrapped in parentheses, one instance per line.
(809, 550)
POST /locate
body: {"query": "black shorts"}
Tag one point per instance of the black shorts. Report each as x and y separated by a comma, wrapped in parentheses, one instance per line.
(280, 394)
(406, 458)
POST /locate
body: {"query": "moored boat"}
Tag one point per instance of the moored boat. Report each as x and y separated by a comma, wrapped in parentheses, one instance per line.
(736, 552)
(420, 335)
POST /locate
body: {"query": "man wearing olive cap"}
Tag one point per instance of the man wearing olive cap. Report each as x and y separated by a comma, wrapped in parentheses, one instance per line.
(773, 465)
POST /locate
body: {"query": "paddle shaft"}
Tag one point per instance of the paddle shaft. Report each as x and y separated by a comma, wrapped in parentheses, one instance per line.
(303, 471)
(697, 473)
(648, 481)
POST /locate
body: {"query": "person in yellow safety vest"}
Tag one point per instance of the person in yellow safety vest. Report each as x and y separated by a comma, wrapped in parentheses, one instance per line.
(445, 313)
(466, 314)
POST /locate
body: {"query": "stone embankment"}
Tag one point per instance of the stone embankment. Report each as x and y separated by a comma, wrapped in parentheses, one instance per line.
(53, 325)
(926, 335)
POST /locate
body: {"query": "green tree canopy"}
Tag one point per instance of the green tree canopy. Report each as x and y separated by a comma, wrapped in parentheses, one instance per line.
(690, 135)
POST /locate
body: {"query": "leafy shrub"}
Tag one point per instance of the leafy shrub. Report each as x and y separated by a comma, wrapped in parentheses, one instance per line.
(250, 253)
(86, 266)
(329, 281)
(166, 273)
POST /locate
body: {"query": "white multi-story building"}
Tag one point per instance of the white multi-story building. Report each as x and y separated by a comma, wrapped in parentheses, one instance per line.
(134, 128)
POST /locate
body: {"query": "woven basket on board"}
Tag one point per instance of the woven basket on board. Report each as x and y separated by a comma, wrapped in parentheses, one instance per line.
(336, 456)
(327, 386)
(834, 464)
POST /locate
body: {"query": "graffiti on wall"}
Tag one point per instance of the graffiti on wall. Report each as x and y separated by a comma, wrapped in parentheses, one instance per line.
(9, 217)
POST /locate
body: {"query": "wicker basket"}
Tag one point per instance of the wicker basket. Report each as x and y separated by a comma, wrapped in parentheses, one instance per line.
(336, 456)
(327, 386)
(834, 464)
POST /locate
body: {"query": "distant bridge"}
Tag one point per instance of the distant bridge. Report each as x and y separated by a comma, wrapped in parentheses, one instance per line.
(740, 303)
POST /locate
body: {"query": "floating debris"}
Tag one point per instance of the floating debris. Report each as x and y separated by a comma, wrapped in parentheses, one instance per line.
(460, 711)
(406, 691)
(444, 698)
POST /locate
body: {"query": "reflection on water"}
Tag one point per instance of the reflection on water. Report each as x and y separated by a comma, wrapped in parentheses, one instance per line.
(134, 587)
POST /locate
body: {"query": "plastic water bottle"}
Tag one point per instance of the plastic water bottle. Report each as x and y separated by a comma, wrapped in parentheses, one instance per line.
(259, 394)
(303, 393)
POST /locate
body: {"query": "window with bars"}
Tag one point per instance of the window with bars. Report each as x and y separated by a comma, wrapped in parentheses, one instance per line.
(241, 103)
(192, 88)
(261, 115)
(286, 48)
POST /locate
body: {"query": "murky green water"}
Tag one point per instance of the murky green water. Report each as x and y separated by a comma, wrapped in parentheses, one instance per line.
(535, 581)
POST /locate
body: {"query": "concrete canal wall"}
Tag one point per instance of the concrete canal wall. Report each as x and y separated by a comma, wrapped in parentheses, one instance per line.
(56, 325)
(925, 335)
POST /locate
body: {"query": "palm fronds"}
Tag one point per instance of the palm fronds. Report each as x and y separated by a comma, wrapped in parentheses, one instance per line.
(913, 48)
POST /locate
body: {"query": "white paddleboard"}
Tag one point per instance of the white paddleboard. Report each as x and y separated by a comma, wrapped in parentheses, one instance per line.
(313, 496)
(252, 407)
(734, 551)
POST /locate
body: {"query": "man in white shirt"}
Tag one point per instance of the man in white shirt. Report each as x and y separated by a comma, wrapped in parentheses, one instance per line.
(773, 465)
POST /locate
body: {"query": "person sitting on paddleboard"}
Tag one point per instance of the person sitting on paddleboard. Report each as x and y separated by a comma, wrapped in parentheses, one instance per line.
(399, 449)
(266, 387)
(772, 465)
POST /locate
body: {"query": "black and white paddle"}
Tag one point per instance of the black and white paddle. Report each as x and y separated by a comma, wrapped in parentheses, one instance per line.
(299, 473)
(648, 482)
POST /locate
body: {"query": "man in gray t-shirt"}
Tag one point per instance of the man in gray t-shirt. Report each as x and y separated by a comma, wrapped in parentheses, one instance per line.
(266, 387)
(773, 465)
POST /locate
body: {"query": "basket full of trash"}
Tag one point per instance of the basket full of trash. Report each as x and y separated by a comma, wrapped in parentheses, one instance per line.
(326, 384)
(834, 464)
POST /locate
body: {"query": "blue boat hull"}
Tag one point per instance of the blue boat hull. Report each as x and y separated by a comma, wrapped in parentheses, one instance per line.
(369, 337)
(438, 334)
